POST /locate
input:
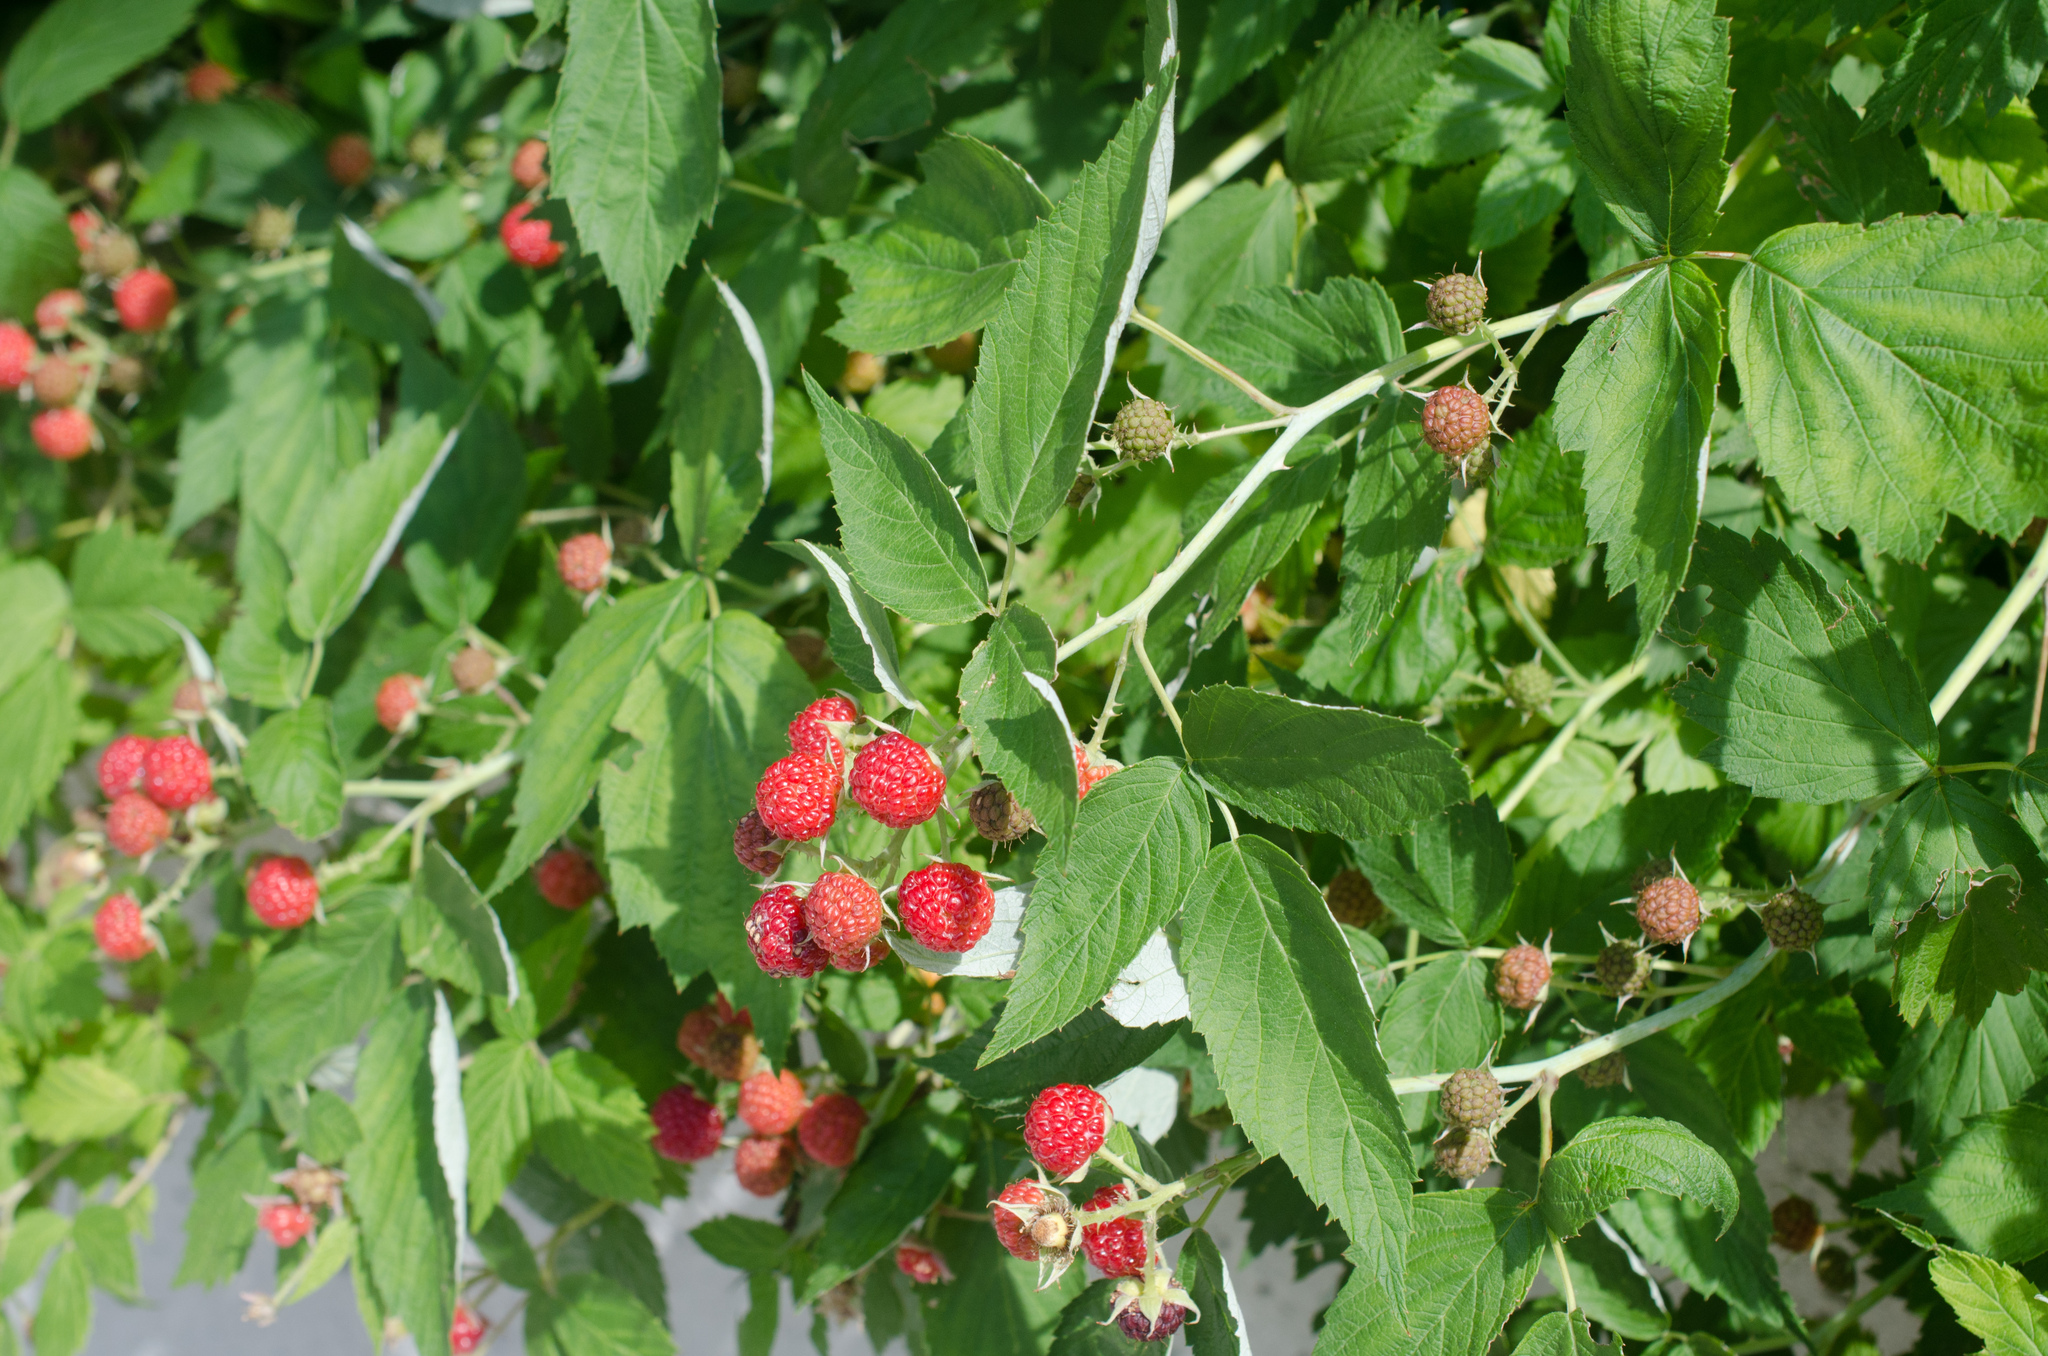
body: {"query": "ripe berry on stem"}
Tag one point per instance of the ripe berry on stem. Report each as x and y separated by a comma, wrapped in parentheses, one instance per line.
(946, 906)
(830, 1129)
(780, 938)
(584, 561)
(17, 354)
(144, 300)
(567, 879)
(398, 702)
(121, 764)
(764, 1164)
(1115, 1247)
(285, 1221)
(136, 825)
(750, 840)
(177, 774)
(772, 1103)
(530, 243)
(797, 798)
(921, 1264)
(120, 931)
(63, 434)
(897, 781)
(529, 163)
(810, 737)
(283, 891)
(466, 1330)
(686, 1127)
(350, 161)
(843, 913)
(1066, 1124)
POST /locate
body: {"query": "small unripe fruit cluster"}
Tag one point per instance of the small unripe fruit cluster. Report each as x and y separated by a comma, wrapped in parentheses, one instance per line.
(1621, 969)
(529, 163)
(1668, 910)
(1608, 1071)
(863, 373)
(1457, 303)
(1470, 1098)
(1795, 1224)
(350, 160)
(720, 1041)
(1529, 686)
(923, 1265)
(1464, 1154)
(1793, 921)
(1521, 976)
(1456, 423)
(398, 702)
(584, 561)
(997, 815)
(271, 228)
(1352, 900)
(1142, 429)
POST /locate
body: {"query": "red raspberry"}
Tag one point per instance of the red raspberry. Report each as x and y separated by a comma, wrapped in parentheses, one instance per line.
(466, 1330)
(897, 780)
(863, 960)
(830, 1129)
(686, 1127)
(1087, 773)
(17, 355)
(780, 940)
(750, 840)
(177, 774)
(120, 931)
(921, 1264)
(583, 562)
(811, 738)
(144, 300)
(528, 242)
(398, 702)
(136, 825)
(56, 311)
(283, 891)
(209, 82)
(764, 1165)
(1136, 1325)
(1012, 1232)
(797, 798)
(285, 1221)
(121, 764)
(1668, 909)
(693, 1037)
(1455, 421)
(1117, 1247)
(772, 1102)
(947, 906)
(63, 434)
(529, 163)
(1520, 975)
(843, 912)
(1065, 1126)
(566, 879)
(350, 159)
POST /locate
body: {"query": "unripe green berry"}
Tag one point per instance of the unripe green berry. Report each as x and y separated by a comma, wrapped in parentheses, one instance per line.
(1143, 429)
(1622, 969)
(1793, 921)
(1608, 1071)
(1456, 423)
(1469, 1097)
(271, 228)
(1529, 687)
(996, 814)
(1457, 303)
(1463, 1154)
(427, 147)
(1352, 900)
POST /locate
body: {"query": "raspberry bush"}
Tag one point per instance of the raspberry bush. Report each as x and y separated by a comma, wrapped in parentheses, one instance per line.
(1006, 626)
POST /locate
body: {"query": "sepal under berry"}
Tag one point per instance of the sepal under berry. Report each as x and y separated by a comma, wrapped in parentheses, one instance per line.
(1151, 1307)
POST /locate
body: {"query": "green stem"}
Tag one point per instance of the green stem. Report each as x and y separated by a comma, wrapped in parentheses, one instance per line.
(2002, 621)
(1264, 401)
(1533, 629)
(1948, 769)
(446, 793)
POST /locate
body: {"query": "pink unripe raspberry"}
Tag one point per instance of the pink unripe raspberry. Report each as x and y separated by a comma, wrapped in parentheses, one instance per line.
(57, 379)
(946, 906)
(686, 1127)
(1116, 1247)
(797, 798)
(1668, 909)
(921, 1264)
(1088, 772)
(17, 355)
(121, 765)
(209, 82)
(529, 163)
(350, 159)
(1520, 976)
(772, 1102)
(830, 1129)
(56, 311)
(750, 840)
(779, 937)
(583, 562)
(473, 669)
(62, 434)
(177, 774)
(398, 702)
(285, 1221)
(466, 1330)
(120, 931)
(283, 891)
(144, 300)
(136, 825)
(1011, 1231)
(763, 1164)
(1455, 421)
(1066, 1124)
(85, 224)
(530, 243)
(896, 780)
(843, 912)
(567, 879)
(810, 737)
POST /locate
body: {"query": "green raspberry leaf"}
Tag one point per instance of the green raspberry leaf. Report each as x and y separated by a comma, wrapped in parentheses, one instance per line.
(1611, 1158)
(1944, 839)
(1019, 737)
(1451, 879)
(901, 1174)
(1490, 94)
(1354, 98)
(77, 47)
(1986, 1188)
(294, 769)
(1470, 1261)
(1866, 181)
(1957, 52)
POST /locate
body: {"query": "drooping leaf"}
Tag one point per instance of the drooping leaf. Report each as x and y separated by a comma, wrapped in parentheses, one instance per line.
(34, 606)
(1611, 1158)
(1046, 354)
(862, 638)
(1487, 95)
(1330, 769)
(940, 268)
(1353, 100)
(221, 1225)
(317, 995)
(635, 139)
(63, 1319)
(566, 745)
(1847, 178)
(992, 1306)
(457, 540)
(75, 48)
(905, 537)
(718, 405)
(1883, 373)
(1954, 1070)
(1810, 699)
(1207, 1280)
(78, 1097)
(1276, 997)
(1647, 98)
(262, 659)
(1451, 878)
(1018, 736)
(294, 769)
(1470, 1261)
(1958, 51)
(497, 1089)
(1091, 1049)
(1636, 398)
(1138, 841)
(448, 887)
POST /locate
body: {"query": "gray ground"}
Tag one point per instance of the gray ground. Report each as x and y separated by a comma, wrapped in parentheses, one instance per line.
(707, 1299)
